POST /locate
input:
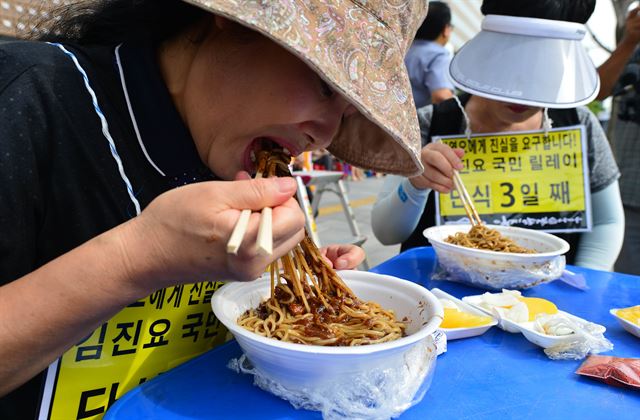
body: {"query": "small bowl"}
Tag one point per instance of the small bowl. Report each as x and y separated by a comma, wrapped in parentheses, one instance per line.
(464, 332)
(297, 365)
(627, 325)
(499, 270)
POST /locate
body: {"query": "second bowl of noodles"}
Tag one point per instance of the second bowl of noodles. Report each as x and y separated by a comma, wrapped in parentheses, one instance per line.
(497, 257)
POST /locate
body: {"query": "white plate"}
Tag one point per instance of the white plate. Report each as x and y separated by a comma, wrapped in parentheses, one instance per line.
(456, 333)
(627, 325)
(527, 329)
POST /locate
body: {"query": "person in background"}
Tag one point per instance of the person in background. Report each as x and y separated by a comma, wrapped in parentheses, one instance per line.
(127, 147)
(323, 159)
(405, 206)
(428, 60)
(620, 78)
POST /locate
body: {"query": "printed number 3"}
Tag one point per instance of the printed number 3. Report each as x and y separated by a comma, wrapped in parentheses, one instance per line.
(508, 189)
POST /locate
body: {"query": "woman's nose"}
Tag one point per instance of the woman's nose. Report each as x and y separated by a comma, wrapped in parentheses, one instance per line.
(329, 121)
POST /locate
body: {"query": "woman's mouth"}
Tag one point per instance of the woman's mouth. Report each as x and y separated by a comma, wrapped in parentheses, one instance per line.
(257, 145)
(518, 109)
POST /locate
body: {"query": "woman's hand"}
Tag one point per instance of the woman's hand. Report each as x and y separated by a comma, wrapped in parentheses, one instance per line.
(344, 256)
(439, 161)
(181, 236)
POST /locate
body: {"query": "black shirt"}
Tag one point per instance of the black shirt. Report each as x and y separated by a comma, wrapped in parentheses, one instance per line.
(61, 184)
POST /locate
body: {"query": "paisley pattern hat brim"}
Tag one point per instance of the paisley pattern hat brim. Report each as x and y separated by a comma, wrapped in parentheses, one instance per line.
(358, 47)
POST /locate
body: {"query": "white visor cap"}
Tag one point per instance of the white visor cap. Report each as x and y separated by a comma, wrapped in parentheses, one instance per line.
(535, 62)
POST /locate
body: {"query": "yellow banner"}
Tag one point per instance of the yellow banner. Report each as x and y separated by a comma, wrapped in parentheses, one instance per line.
(146, 338)
(524, 179)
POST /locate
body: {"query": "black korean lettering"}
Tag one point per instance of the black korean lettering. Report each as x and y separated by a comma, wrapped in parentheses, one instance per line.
(494, 146)
(552, 161)
(530, 194)
(560, 192)
(471, 146)
(478, 165)
(536, 162)
(465, 166)
(498, 163)
(192, 328)
(84, 410)
(456, 202)
(504, 145)
(136, 304)
(127, 336)
(209, 288)
(92, 351)
(482, 195)
(194, 294)
(515, 164)
(513, 145)
(175, 296)
(569, 159)
(212, 326)
(535, 141)
(507, 192)
(157, 330)
(482, 145)
(157, 298)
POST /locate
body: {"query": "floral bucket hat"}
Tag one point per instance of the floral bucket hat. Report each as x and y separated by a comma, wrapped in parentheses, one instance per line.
(358, 46)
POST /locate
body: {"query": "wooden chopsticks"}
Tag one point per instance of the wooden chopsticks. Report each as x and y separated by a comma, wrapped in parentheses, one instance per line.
(467, 201)
(264, 241)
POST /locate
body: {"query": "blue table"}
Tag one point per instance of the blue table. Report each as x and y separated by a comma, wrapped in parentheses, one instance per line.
(494, 376)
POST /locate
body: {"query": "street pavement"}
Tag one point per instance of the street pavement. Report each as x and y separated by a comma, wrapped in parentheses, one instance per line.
(332, 226)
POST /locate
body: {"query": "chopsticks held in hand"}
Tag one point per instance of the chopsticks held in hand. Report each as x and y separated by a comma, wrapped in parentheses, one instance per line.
(467, 201)
(265, 238)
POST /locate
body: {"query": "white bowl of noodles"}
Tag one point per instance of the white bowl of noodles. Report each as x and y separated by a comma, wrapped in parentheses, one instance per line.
(499, 270)
(313, 367)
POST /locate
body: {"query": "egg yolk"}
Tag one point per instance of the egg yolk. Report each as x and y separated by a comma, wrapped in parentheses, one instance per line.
(631, 314)
(453, 318)
(538, 306)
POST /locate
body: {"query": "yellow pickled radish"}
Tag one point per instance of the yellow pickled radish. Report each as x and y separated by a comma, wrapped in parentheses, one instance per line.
(631, 314)
(454, 318)
(538, 306)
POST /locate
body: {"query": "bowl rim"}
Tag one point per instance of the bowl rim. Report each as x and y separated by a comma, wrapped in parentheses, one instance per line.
(563, 249)
(425, 329)
(623, 322)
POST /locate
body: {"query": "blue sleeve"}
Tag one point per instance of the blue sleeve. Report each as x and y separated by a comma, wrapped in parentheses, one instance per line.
(437, 75)
(599, 248)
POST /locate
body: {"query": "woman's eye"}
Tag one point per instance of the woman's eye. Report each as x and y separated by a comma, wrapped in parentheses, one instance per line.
(325, 89)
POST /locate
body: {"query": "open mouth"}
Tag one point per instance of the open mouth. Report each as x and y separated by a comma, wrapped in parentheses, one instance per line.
(259, 145)
(518, 109)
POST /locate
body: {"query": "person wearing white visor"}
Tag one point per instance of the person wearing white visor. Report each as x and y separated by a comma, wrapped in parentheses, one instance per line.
(526, 70)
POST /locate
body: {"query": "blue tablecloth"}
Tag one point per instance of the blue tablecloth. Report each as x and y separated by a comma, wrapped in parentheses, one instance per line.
(494, 376)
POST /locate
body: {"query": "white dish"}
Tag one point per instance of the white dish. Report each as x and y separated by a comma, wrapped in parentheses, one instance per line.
(527, 328)
(500, 270)
(297, 366)
(627, 325)
(456, 333)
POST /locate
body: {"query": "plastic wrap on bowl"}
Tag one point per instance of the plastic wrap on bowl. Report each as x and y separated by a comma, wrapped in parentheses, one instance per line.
(498, 270)
(308, 375)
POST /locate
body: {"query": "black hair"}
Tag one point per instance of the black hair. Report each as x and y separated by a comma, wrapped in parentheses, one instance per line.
(109, 22)
(568, 10)
(437, 19)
